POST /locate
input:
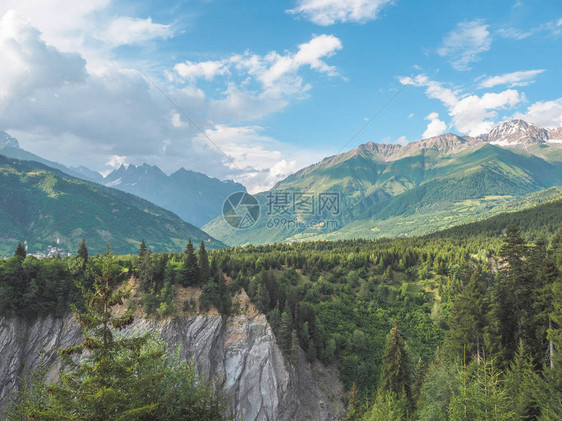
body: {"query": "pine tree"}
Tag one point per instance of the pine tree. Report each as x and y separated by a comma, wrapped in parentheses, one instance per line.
(20, 251)
(520, 382)
(204, 270)
(262, 294)
(512, 299)
(83, 256)
(395, 368)
(103, 385)
(294, 347)
(468, 321)
(285, 330)
(386, 408)
(190, 271)
(142, 249)
(354, 407)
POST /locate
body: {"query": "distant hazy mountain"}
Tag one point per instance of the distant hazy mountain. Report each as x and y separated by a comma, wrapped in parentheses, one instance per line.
(87, 174)
(393, 190)
(10, 147)
(193, 196)
(39, 204)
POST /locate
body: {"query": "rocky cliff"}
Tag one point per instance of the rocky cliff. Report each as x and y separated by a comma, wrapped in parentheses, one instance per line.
(242, 349)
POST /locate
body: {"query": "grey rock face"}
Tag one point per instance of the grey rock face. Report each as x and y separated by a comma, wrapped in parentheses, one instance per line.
(242, 350)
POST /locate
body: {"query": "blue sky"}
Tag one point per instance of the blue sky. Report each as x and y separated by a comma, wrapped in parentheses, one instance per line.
(277, 85)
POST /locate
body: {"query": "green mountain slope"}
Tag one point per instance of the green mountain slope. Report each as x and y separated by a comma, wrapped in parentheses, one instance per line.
(39, 204)
(385, 191)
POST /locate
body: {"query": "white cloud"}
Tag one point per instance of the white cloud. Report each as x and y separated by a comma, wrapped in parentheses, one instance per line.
(256, 160)
(475, 114)
(470, 114)
(204, 69)
(520, 78)
(402, 140)
(464, 45)
(434, 90)
(268, 82)
(544, 113)
(27, 64)
(115, 161)
(514, 33)
(126, 30)
(435, 126)
(329, 12)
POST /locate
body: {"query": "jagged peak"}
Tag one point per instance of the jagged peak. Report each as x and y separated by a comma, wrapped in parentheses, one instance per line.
(7, 140)
(516, 132)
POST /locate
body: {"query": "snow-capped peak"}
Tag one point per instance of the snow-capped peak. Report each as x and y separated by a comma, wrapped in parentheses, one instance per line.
(517, 132)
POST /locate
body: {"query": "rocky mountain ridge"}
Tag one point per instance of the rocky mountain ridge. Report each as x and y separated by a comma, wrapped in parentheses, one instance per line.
(193, 196)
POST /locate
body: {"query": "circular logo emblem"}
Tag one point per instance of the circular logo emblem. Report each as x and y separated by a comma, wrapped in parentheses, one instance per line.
(241, 210)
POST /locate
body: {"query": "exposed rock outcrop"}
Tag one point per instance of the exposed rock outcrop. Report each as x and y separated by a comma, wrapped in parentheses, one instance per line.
(241, 349)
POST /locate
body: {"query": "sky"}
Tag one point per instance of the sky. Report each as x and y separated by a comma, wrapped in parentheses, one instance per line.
(255, 90)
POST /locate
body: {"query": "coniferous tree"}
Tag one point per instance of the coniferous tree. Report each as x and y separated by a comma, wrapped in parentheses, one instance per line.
(190, 272)
(83, 256)
(285, 330)
(512, 296)
(294, 347)
(142, 248)
(20, 251)
(204, 270)
(468, 321)
(521, 383)
(262, 300)
(395, 368)
(354, 407)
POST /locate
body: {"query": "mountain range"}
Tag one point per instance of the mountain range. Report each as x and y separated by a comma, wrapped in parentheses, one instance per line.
(381, 189)
(193, 196)
(424, 186)
(44, 206)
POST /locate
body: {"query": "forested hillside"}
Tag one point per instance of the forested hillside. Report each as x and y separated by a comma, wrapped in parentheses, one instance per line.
(39, 204)
(473, 312)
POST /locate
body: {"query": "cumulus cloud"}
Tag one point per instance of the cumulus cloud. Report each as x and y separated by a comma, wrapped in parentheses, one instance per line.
(204, 69)
(544, 113)
(61, 110)
(465, 43)
(471, 114)
(257, 85)
(476, 115)
(329, 12)
(126, 30)
(435, 126)
(520, 78)
(256, 160)
(28, 64)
